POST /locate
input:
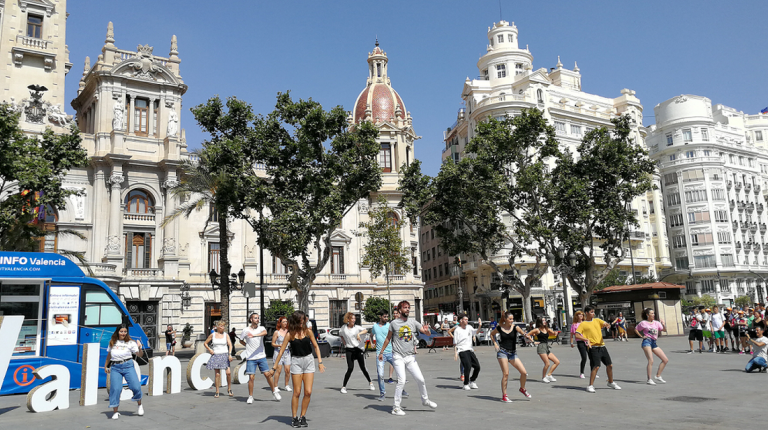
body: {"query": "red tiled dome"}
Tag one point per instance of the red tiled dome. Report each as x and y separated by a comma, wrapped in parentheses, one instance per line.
(383, 100)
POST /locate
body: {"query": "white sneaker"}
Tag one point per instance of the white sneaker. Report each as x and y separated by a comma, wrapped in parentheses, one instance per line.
(552, 378)
(581, 376)
(590, 389)
(116, 415)
(371, 387)
(398, 411)
(465, 387)
(650, 382)
(429, 403)
(276, 395)
(614, 385)
(250, 400)
(473, 386)
(545, 380)
(660, 379)
(597, 376)
(287, 388)
(140, 412)
(343, 390)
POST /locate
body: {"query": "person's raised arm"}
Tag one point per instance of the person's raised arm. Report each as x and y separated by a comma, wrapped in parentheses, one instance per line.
(425, 329)
(140, 352)
(450, 332)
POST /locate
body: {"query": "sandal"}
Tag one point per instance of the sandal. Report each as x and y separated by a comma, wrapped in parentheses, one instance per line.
(231, 394)
(216, 396)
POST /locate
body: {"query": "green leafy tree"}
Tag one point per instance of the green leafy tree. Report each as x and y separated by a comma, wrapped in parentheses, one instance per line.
(220, 177)
(375, 306)
(384, 250)
(705, 300)
(277, 309)
(616, 278)
(317, 168)
(507, 176)
(742, 301)
(591, 201)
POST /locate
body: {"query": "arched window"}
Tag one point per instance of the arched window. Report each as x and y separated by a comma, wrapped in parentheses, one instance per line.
(139, 202)
(540, 96)
(393, 218)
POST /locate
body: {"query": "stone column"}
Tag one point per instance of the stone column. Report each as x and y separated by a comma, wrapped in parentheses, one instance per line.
(698, 288)
(113, 241)
(169, 253)
(131, 120)
(151, 119)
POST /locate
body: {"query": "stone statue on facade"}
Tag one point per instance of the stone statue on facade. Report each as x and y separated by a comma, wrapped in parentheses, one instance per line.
(56, 116)
(173, 123)
(118, 119)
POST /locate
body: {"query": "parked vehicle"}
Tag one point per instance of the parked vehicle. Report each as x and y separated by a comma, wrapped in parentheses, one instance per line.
(425, 340)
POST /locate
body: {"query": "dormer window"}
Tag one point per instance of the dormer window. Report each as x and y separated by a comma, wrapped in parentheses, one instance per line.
(501, 38)
(501, 70)
(510, 38)
(378, 70)
(35, 26)
(518, 68)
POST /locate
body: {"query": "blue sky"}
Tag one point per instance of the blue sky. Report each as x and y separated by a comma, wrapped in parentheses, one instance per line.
(318, 49)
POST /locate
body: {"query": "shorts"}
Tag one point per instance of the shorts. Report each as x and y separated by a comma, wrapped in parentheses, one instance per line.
(300, 365)
(506, 355)
(285, 360)
(597, 355)
(720, 334)
(706, 333)
(742, 333)
(696, 335)
(168, 346)
(543, 348)
(251, 365)
(649, 342)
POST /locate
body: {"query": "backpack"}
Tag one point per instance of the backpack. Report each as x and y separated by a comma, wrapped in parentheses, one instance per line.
(694, 322)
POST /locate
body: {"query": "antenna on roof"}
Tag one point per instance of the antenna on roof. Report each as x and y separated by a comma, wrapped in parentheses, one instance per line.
(500, 10)
(377, 40)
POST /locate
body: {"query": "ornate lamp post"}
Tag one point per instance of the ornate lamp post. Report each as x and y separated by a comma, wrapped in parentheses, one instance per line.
(563, 270)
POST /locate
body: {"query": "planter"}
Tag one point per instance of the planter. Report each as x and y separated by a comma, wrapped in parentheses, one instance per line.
(186, 343)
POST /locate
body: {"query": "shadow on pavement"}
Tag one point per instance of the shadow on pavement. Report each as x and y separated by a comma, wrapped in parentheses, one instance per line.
(567, 387)
(368, 396)
(380, 407)
(450, 387)
(279, 418)
(491, 398)
(4, 410)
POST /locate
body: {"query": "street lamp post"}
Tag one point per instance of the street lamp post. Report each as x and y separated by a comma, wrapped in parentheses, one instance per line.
(460, 272)
(563, 270)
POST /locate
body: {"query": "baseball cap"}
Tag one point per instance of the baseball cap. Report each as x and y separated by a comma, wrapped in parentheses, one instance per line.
(707, 310)
(728, 309)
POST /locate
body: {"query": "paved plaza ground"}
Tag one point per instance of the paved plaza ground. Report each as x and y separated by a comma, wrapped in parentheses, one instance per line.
(702, 391)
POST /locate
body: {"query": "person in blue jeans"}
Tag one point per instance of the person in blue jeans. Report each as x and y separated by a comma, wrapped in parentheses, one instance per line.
(760, 349)
(379, 333)
(119, 364)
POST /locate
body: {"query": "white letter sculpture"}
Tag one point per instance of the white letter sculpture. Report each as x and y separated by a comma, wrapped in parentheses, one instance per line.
(57, 388)
(172, 367)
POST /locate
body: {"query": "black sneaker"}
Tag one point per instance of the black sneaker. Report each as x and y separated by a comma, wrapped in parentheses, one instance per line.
(303, 422)
(295, 422)
(390, 381)
(700, 351)
(690, 351)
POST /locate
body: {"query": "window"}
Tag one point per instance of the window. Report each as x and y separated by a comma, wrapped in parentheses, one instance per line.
(718, 194)
(378, 70)
(510, 38)
(139, 202)
(140, 112)
(432, 234)
(698, 217)
(336, 311)
(704, 135)
(434, 272)
(434, 253)
(723, 237)
(673, 199)
(278, 267)
(695, 196)
(491, 41)
(138, 250)
(708, 285)
(427, 259)
(721, 216)
(485, 74)
(687, 137)
(100, 309)
(213, 214)
(731, 159)
(690, 154)
(440, 270)
(670, 178)
(741, 161)
(576, 129)
(676, 220)
(560, 126)
(518, 68)
(501, 70)
(670, 139)
(501, 38)
(337, 261)
(701, 239)
(214, 257)
(681, 263)
(415, 265)
(35, 26)
(759, 136)
(725, 284)
(678, 241)
(385, 157)
(540, 96)
(751, 162)
(693, 175)
(24, 298)
(439, 251)
(672, 157)
(690, 287)
(704, 261)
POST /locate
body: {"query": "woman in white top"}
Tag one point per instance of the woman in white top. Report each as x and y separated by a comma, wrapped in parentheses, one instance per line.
(350, 339)
(119, 364)
(220, 358)
(285, 362)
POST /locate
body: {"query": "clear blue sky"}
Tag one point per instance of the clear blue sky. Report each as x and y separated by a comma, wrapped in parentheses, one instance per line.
(252, 49)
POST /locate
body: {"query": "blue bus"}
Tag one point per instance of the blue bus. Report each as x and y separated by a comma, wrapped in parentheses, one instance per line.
(63, 310)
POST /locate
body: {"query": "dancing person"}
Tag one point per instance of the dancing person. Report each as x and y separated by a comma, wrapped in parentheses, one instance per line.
(253, 339)
(506, 353)
(403, 335)
(285, 362)
(379, 334)
(220, 355)
(696, 331)
(649, 331)
(578, 317)
(621, 326)
(301, 340)
(462, 335)
(542, 333)
(350, 340)
(590, 331)
(119, 364)
(760, 345)
(170, 341)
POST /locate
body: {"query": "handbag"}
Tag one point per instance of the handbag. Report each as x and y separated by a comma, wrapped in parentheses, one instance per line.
(173, 343)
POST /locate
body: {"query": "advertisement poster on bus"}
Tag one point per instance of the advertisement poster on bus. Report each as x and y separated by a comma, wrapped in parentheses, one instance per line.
(63, 313)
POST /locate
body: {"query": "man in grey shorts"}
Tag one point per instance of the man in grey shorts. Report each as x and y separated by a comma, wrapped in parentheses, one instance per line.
(403, 333)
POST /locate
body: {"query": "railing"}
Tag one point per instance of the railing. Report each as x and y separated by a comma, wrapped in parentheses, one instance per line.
(743, 225)
(139, 217)
(502, 98)
(32, 42)
(281, 277)
(396, 278)
(729, 184)
(747, 187)
(696, 160)
(750, 206)
(338, 277)
(735, 225)
(738, 245)
(747, 246)
(753, 227)
(101, 269)
(741, 206)
(143, 273)
(760, 207)
(757, 189)
(738, 186)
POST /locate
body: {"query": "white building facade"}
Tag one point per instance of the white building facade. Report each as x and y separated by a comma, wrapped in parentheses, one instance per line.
(508, 83)
(713, 163)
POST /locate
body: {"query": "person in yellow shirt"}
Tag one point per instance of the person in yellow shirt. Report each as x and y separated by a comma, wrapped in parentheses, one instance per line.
(590, 331)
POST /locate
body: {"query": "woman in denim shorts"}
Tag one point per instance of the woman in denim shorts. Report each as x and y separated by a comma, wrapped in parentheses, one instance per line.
(506, 353)
(649, 330)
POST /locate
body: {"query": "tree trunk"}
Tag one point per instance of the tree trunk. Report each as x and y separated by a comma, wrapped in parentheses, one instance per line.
(585, 298)
(302, 297)
(225, 267)
(527, 311)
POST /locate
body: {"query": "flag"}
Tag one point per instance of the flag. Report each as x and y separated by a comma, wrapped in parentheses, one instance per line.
(764, 110)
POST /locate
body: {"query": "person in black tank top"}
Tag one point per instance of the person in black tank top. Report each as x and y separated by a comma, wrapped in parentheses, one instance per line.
(506, 348)
(542, 333)
(302, 340)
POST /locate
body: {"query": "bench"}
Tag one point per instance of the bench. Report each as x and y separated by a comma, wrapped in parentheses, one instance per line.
(439, 342)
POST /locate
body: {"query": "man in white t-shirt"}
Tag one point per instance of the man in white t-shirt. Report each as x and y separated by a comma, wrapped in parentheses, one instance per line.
(463, 334)
(760, 348)
(253, 339)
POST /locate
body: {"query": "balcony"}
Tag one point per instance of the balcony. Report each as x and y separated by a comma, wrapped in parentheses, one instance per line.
(738, 186)
(760, 207)
(735, 225)
(763, 227)
(753, 227)
(747, 187)
(741, 206)
(32, 46)
(756, 247)
(139, 218)
(733, 204)
(750, 206)
(738, 245)
(757, 189)
(101, 269)
(747, 246)
(729, 184)
(143, 273)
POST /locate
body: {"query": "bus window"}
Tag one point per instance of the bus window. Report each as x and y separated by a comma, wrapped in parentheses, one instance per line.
(19, 298)
(100, 309)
